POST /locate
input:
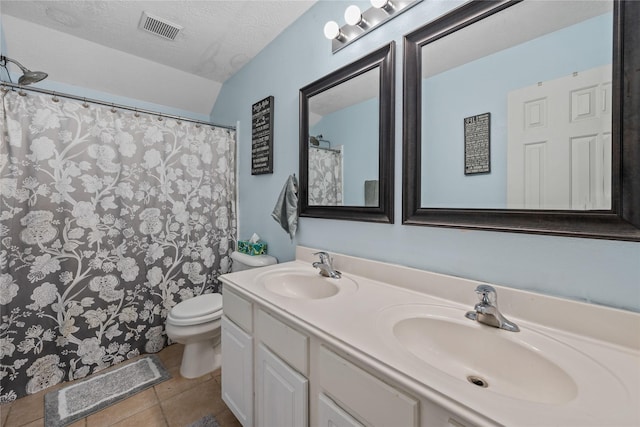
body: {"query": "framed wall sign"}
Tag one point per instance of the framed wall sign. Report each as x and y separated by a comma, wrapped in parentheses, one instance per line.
(477, 144)
(262, 137)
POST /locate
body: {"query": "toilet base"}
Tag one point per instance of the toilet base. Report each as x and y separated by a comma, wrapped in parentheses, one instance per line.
(200, 358)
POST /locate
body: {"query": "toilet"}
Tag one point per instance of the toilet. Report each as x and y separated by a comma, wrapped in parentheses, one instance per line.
(196, 323)
(244, 262)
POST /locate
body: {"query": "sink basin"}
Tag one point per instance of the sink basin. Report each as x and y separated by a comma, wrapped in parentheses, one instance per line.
(301, 284)
(525, 365)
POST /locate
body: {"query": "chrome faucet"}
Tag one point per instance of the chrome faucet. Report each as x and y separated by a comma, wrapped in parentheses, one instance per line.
(486, 311)
(326, 266)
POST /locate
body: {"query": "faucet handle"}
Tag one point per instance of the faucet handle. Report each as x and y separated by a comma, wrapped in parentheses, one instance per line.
(325, 258)
(487, 294)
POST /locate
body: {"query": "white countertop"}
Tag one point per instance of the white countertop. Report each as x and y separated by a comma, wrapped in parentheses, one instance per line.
(598, 347)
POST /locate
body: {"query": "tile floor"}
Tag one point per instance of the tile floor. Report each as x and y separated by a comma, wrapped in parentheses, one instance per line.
(176, 402)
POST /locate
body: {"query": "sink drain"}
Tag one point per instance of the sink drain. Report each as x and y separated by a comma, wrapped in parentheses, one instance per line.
(480, 382)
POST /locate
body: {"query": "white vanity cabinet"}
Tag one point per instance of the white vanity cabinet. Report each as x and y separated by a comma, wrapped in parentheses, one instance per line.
(264, 366)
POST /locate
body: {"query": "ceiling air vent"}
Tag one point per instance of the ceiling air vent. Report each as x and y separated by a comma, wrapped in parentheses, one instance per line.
(158, 26)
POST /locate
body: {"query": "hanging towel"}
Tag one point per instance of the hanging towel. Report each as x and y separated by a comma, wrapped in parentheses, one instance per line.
(285, 211)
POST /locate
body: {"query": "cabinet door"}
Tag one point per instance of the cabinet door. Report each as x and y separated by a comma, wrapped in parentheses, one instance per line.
(237, 371)
(331, 415)
(282, 393)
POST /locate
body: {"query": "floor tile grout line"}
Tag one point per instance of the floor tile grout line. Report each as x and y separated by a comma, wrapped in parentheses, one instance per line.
(164, 416)
(6, 417)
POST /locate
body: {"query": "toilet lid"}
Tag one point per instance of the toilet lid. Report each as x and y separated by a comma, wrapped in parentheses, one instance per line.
(198, 306)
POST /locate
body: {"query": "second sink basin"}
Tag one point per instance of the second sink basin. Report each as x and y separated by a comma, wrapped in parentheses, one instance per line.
(302, 284)
(524, 365)
(485, 358)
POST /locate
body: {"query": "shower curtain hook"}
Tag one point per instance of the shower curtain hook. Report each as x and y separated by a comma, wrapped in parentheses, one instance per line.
(113, 108)
(159, 117)
(54, 98)
(136, 114)
(84, 103)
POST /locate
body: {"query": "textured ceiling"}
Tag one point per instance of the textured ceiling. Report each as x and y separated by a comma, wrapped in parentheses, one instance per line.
(217, 39)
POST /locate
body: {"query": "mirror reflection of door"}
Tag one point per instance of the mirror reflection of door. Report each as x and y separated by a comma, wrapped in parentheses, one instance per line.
(543, 71)
(344, 143)
(559, 143)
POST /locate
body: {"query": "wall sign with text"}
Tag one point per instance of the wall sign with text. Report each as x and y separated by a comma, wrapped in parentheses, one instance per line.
(262, 137)
(477, 144)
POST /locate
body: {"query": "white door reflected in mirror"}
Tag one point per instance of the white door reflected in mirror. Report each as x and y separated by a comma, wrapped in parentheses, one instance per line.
(559, 143)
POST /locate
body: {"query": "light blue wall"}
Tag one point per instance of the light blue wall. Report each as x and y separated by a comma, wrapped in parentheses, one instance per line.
(482, 86)
(355, 128)
(600, 271)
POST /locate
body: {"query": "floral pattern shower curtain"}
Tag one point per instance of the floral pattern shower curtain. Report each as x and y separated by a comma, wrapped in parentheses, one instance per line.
(325, 177)
(108, 219)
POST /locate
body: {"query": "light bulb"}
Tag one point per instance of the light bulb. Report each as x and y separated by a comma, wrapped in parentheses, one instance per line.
(385, 5)
(379, 3)
(352, 15)
(331, 30)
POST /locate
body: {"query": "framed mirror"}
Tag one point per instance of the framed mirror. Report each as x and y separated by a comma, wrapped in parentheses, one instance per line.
(346, 141)
(524, 116)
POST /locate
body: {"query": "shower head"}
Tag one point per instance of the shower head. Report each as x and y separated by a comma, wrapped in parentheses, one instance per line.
(316, 140)
(28, 77)
(32, 77)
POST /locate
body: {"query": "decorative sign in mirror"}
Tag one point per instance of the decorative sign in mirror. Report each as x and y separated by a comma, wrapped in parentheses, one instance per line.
(346, 141)
(552, 155)
(477, 144)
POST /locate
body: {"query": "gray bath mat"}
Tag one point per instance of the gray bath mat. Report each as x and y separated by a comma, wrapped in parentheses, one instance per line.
(207, 421)
(77, 400)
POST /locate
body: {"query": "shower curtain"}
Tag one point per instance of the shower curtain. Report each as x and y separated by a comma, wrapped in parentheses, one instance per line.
(108, 219)
(325, 177)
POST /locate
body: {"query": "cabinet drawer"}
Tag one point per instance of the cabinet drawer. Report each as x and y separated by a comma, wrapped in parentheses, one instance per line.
(286, 342)
(331, 415)
(364, 395)
(237, 309)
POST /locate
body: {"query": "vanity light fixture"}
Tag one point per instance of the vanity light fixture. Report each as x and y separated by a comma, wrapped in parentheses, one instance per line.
(359, 23)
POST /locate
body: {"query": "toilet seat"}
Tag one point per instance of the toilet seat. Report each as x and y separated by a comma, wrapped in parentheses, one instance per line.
(200, 309)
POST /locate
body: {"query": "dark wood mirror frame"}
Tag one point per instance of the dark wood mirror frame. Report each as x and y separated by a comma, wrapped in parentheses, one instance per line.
(622, 222)
(384, 59)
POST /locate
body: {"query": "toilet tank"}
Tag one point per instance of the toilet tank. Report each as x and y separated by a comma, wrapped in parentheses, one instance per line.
(244, 262)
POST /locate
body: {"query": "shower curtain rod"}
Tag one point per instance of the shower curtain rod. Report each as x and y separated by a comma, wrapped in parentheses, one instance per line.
(111, 104)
